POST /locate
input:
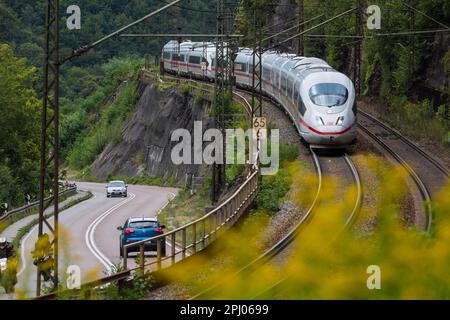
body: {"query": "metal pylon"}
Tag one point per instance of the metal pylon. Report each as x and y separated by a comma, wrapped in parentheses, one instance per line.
(223, 84)
(47, 263)
(358, 47)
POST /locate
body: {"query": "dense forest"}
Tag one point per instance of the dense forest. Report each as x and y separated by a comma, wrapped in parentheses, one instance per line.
(85, 82)
(407, 75)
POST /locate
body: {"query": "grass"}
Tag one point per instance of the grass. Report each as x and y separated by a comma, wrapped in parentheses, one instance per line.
(27, 228)
(109, 128)
(275, 187)
(144, 179)
(419, 120)
(14, 218)
(327, 262)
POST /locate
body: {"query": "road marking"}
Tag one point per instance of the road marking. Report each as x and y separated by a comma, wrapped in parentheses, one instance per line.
(25, 239)
(89, 235)
(22, 250)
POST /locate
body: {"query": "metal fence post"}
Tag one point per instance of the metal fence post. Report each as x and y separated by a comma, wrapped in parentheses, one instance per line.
(142, 258)
(194, 237)
(172, 243)
(183, 242)
(204, 233)
(125, 257)
(158, 253)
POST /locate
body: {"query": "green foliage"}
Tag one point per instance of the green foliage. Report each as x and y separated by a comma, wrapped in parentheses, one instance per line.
(146, 179)
(275, 187)
(20, 128)
(185, 88)
(419, 120)
(22, 21)
(107, 130)
(392, 65)
(135, 289)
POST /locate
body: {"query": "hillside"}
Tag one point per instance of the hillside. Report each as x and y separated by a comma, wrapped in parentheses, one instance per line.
(145, 145)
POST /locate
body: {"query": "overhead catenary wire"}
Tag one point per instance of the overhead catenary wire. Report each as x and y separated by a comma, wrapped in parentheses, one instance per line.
(425, 15)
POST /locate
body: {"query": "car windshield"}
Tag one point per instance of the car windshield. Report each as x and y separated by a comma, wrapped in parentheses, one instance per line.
(116, 184)
(143, 224)
(328, 94)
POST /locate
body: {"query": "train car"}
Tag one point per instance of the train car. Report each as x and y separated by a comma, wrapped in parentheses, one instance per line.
(320, 100)
(190, 59)
(242, 68)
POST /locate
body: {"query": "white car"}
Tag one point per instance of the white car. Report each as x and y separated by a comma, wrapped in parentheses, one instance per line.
(116, 189)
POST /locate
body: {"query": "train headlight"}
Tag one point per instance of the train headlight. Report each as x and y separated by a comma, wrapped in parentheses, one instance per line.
(320, 120)
(340, 121)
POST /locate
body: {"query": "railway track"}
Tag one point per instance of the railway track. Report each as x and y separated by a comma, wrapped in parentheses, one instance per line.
(428, 174)
(347, 168)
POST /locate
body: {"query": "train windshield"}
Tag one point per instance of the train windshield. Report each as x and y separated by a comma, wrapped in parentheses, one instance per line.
(328, 94)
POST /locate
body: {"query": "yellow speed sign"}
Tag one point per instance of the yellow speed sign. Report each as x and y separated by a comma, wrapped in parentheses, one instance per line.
(259, 127)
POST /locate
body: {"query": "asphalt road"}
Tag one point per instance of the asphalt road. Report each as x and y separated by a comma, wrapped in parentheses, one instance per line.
(89, 236)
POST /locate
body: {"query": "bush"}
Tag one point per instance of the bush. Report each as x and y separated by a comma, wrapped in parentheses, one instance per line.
(109, 129)
(273, 189)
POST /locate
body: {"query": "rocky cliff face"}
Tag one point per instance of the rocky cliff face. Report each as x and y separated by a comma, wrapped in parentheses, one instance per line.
(146, 138)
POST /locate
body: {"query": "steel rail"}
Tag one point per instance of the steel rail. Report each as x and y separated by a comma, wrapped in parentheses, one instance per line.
(426, 155)
(419, 183)
(359, 196)
(349, 221)
(281, 244)
(289, 238)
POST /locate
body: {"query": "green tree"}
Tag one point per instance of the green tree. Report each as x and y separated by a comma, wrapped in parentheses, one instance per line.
(20, 123)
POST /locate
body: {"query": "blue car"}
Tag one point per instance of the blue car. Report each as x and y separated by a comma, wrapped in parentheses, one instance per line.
(137, 229)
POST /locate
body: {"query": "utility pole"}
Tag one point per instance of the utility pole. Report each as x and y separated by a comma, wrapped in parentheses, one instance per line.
(301, 18)
(219, 96)
(257, 71)
(46, 248)
(49, 171)
(412, 41)
(223, 89)
(359, 30)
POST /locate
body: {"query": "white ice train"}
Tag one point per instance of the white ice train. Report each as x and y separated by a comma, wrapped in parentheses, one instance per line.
(319, 99)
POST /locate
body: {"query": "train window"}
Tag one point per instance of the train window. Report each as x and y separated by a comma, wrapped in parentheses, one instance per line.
(176, 57)
(328, 94)
(181, 57)
(283, 83)
(289, 88)
(266, 74)
(213, 63)
(240, 67)
(194, 59)
(166, 55)
(301, 107)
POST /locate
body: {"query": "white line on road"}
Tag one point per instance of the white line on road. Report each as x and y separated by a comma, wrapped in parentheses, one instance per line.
(22, 251)
(89, 236)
